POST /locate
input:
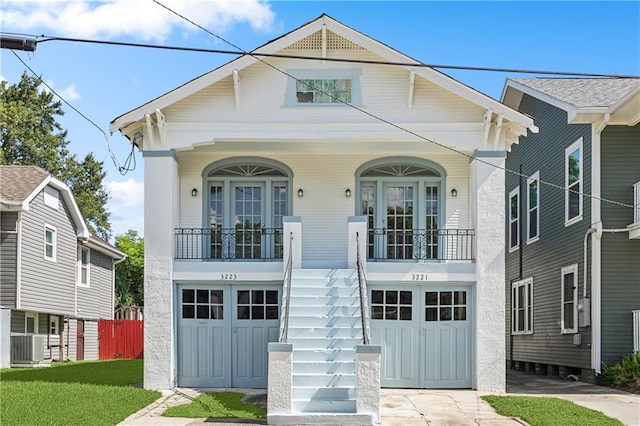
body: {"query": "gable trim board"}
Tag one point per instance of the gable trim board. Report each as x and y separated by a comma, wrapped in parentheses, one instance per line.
(126, 122)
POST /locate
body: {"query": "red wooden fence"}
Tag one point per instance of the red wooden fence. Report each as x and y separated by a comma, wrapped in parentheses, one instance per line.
(120, 339)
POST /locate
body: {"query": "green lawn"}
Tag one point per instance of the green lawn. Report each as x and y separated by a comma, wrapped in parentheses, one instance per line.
(544, 411)
(83, 393)
(218, 405)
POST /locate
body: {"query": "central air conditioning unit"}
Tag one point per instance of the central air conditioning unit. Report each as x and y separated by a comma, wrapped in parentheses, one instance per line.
(27, 349)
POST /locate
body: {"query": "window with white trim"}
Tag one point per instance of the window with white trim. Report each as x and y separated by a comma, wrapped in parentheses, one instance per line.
(569, 299)
(522, 307)
(31, 323)
(533, 207)
(83, 266)
(323, 87)
(50, 242)
(514, 219)
(573, 182)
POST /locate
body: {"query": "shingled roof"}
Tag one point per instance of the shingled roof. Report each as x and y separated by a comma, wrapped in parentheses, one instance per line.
(583, 92)
(18, 182)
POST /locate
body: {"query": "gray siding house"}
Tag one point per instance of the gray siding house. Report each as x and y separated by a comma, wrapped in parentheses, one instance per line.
(56, 278)
(573, 226)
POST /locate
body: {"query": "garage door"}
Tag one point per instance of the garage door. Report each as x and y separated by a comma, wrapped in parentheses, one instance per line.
(425, 334)
(223, 332)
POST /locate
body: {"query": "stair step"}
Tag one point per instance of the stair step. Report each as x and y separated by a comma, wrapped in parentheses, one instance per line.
(327, 367)
(301, 291)
(324, 380)
(306, 310)
(332, 343)
(321, 406)
(325, 332)
(313, 392)
(326, 321)
(324, 273)
(325, 301)
(323, 355)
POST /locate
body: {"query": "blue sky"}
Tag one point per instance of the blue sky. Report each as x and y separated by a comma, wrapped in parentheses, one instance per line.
(104, 82)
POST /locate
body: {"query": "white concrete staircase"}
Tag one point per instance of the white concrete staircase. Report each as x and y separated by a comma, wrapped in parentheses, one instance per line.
(325, 326)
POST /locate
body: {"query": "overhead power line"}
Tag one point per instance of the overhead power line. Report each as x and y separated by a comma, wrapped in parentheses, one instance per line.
(44, 38)
(130, 158)
(397, 126)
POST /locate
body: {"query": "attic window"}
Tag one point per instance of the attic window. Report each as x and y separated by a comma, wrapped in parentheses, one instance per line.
(323, 91)
(323, 87)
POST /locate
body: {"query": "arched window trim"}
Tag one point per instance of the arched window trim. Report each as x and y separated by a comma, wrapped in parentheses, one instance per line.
(226, 180)
(380, 181)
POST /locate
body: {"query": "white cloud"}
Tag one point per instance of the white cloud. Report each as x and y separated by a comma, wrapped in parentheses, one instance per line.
(140, 19)
(2, 78)
(69, 93)
(126, 204)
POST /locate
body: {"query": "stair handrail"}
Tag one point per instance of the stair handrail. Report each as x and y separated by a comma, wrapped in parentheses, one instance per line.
(288, 272)
(361, 284)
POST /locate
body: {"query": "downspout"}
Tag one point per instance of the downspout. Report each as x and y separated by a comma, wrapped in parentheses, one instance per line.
(19, 262)
(596, 247)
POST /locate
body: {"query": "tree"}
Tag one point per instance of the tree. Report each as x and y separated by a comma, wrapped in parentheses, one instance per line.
(30, 135)
(130, 272)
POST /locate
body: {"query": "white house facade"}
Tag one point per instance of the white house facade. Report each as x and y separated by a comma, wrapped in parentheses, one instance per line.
(329, 208)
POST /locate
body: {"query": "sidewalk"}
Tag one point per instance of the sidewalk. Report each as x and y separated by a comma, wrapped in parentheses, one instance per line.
(409, 407)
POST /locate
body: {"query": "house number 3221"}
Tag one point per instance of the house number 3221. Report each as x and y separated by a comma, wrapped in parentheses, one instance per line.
(418, 277)
(228, 276)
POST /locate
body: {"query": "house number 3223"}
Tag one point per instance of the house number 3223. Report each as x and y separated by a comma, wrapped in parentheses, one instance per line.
(418, 277)
(228, 276)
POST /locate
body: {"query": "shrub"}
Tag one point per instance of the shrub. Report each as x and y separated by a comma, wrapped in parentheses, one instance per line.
(625, 373)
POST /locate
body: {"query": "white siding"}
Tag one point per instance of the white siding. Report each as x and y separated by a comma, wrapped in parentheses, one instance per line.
(91, 340)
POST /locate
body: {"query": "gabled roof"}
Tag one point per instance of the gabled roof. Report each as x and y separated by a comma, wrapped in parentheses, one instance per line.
(19, 185)
(276, 45)
(586, 96)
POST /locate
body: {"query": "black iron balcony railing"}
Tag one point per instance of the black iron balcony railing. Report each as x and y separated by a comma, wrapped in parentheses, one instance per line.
(420, 244)
(228, 244)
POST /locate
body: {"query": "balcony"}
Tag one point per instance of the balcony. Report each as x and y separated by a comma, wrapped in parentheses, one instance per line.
(420, 244)
(228, 244)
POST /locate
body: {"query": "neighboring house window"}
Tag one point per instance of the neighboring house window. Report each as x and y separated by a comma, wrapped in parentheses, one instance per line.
(50, 242)
(31, 323)
(51, 197)
(569, 297)
(533, 207)
(522, 306)
(573, 183)
(514, 219)
(54, 325)
(83, 266)
(323, 87)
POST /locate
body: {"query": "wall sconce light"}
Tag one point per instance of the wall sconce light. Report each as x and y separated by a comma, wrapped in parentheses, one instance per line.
(300, 193)
(454, 193)
(194, 192)
(347, 193)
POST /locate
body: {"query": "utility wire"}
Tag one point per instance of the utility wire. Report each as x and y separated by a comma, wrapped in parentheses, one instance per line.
(130, 158)
(240, 52)
(550, 184)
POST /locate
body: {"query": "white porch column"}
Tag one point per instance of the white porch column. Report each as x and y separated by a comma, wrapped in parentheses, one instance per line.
(368, 380)
(292, 227)
(488, 213)
(160, 213)
(357, 227)
(280, 379)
